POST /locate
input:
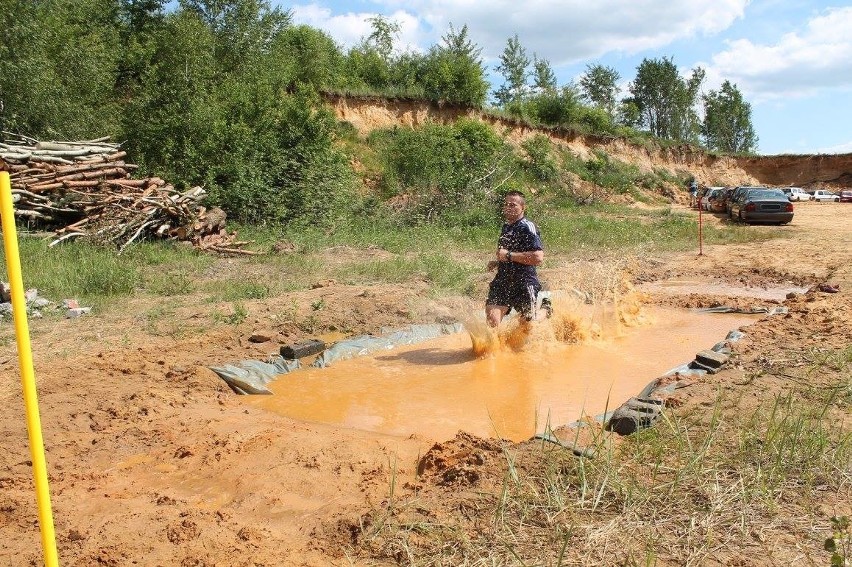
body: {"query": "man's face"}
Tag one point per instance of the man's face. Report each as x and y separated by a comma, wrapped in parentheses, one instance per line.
(513, 208)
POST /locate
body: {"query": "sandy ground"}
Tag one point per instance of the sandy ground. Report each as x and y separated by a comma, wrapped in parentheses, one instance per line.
(154, 461)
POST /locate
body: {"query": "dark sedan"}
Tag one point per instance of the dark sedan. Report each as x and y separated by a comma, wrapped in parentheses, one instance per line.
(761, 204)
(846, 196)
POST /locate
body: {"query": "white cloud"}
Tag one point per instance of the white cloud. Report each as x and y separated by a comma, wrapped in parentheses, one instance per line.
(801, 63)
(348, 29)
(561, 31)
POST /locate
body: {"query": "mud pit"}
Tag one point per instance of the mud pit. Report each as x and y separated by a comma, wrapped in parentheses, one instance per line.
(438, 387)
(153, 461)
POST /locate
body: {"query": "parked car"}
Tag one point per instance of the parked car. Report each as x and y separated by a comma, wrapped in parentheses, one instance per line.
(703, 197)
(797, 194)
(737, 192)
(846, 196)
(714, 200)
(762, 204)
(823, 195)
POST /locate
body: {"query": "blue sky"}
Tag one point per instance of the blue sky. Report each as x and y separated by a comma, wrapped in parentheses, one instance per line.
(791, 59)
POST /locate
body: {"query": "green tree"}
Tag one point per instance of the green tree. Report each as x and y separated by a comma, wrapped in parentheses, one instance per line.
(261, 148)
(169, 122)
(453, 70)
(727, 123)
(600, 87)
(383, 36)
(370, 63)
(666, 101)
(58, 61)
(406, 74)
(139, 22)
(459, 43)
(308, 56)
(544, 79)
(242, 29)
(627, 114)
(514, 65)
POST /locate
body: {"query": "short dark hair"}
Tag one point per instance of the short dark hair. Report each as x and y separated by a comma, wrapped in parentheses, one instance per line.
(516, 193)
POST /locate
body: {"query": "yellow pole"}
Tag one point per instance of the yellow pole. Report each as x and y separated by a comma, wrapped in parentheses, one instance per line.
(25, 361)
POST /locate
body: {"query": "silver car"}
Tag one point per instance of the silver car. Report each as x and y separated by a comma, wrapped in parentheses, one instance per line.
(762, 204)
(823, 195)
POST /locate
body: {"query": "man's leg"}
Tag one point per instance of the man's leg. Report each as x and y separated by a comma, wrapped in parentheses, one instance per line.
(497, 304)
(526, 303)
(495, 313)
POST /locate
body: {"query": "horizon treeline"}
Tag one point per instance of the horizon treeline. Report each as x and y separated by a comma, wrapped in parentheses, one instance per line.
(225, 94)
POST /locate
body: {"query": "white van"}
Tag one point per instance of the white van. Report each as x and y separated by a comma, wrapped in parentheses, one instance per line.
(797, 194)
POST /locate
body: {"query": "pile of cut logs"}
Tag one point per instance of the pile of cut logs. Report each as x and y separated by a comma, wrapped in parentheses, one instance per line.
(84, 190)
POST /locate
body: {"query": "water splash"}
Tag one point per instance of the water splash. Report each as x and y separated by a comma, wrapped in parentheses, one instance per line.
(577, 318)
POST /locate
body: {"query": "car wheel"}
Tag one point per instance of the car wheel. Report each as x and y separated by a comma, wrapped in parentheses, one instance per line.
(837, 200)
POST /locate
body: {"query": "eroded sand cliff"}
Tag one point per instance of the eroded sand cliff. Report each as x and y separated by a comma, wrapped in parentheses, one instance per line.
(829, 171)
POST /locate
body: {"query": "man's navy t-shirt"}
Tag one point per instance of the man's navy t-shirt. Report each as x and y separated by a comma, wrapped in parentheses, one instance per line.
(520, 236)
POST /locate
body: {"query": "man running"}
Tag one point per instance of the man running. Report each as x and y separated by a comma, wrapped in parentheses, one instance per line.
(519, 251)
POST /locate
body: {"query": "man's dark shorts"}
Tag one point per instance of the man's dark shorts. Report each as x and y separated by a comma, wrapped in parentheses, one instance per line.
(519, 296)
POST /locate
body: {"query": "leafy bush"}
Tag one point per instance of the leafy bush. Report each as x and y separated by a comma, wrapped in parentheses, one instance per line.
(604, 171)
(555, 108)
(437, 168)
(310, 57)
(453, 78)
(59, 61)
(539, 161)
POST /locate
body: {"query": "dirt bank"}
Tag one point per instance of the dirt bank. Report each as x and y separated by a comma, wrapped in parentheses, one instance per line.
(154, 461)
(823, 171)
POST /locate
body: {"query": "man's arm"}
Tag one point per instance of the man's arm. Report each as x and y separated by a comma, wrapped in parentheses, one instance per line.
(529, 258)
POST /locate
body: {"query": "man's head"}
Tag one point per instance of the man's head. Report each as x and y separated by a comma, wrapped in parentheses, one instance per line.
(514, 206)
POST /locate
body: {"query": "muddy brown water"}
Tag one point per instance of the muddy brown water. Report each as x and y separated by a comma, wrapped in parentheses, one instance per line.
(687, 287)
(436, 388)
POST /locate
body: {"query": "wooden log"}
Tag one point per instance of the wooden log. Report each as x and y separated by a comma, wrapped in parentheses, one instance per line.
(77, 224)
(16, 156)
(69, 153)
(29, 195)
(65, 237)
(100, 140)
(44, 186)
(55, 159)
(225, 250)
(126, 183)
(86, 166)
(116, 156)
(87, 183)
(110, 172)
(32, 214)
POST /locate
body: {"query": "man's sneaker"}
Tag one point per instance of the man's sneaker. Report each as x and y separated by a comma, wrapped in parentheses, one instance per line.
(547, 306)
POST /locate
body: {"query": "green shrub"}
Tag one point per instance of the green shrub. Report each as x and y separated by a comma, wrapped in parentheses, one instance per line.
(438, 168)
(539, 161)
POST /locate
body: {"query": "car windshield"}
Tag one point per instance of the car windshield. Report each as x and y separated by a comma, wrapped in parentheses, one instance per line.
(766, 194)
